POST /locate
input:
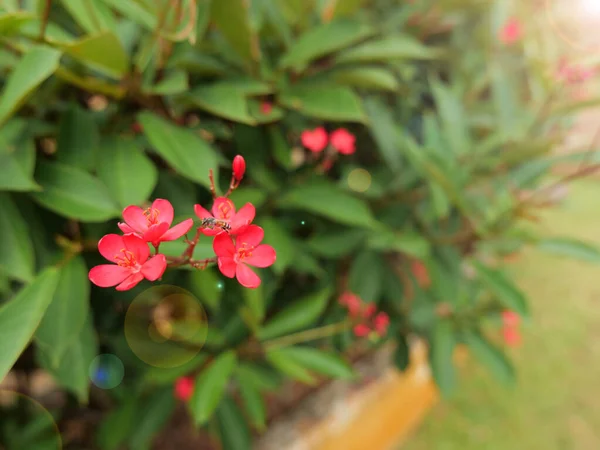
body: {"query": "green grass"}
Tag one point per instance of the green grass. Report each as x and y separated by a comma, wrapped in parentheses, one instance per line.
(556, 404)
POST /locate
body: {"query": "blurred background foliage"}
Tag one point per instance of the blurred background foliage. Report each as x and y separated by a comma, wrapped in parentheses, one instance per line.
(108, 103)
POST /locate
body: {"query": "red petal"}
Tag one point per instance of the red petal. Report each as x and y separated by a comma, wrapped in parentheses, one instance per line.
(361, 330)
(252, 235)
(227, 266)
(130, 282)
(165, 210)
(137, 246)
(154, 268)
(246, 276)
(223, 208)
(201, 212)
(155, 232)
(223, 245)
(110, 246)
(262, 256)
(108, 275)
(125, 228)
(244, 217)
(178, 230)
(135, 218)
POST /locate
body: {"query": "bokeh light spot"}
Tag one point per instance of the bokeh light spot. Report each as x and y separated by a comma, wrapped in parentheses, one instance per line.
(359, 180)
(106, 371)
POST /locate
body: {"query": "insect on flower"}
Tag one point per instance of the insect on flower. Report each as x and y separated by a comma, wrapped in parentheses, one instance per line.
(211, 223)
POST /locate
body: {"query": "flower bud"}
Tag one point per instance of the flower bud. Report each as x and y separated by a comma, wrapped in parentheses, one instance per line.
(184, 388)
(239, 167)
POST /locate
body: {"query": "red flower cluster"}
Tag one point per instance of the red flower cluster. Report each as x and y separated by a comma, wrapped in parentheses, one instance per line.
(341, 140)
(572, 73)
(130, 253)
(366, 322)
(510, 328)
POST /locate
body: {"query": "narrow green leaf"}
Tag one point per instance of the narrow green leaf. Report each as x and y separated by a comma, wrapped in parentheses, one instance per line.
(402, 353)
(116, 159)
(102, 52)
(253, 402)
(153, 414)
(570, 248)
(182, 149)
(11, 23)
(452, 113)
(73, 193)
(208, 286)
(388, 48)
(116, 425)
(33, 68)
(321, 40)
(21, 315)
(78, 139)
(281, 240)
(328, 201)
(261, 377)
(91, 15)
(233, 429)
(384, 130)
(67, 313)
(375, 78)
(232, 19)
(210, 386)
(319, 361)
(72, 368)
(443, 344)
(409, 243)
(288, 366)
(506, 292)
(365, 276)
(328, 102)
(300, 314)
(334, 244)
(222, 100)
(17, 258)
(134, 11)
(492, 357)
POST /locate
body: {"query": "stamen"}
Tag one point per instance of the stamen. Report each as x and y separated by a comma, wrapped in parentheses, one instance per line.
(125, 260)
(245, 251)
(152, 215)
(225, 209)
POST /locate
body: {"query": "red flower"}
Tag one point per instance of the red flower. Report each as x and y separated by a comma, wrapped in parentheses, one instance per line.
(314, 140)
(152, 224)
(352, 302)
(233, 260)
(511, 31)
(361, 330)
(381, 323)
(510, 318)
(223, 209)
(512, 336)
(130, 255)
(239, 167)
(184, 388)
(266, 108)
(343, 141)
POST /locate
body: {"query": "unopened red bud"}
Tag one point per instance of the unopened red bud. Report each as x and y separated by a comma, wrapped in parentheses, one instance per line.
(239, 167)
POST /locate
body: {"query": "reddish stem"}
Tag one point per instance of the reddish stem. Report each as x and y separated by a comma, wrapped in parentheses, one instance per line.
(213, 191)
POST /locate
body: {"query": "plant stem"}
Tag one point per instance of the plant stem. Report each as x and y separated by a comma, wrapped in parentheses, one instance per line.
(45, 16)
(305, 336)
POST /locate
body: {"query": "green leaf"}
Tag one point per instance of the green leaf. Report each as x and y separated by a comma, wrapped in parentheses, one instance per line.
(491, 356)
(334, 244)
(281, 240)
(117, 424)
(328, 201)
(21, 315)
(72, 369)
(443, 343)
(571, 248)
(210, 386)
(74, 193)
(33, 68)
(153, 414)
(135, 12)
(78, 138)
(300, 314)
(15, 162)
(375, 78)
(327, 102)
(91, 15)
(102, 52)
(158, 376)
(253, 401)
(223, 100)
(288, 366)
(11, 23)
(453, 118)
(116, 159)
(389, 48)
(174, 82)
(408, 242)
(255, 303)
(243, 195)
(232, 19)
(506, 292)
(384, 130)
(208, 286)
(365, 276)
(233, 429)
(67, 313)
(260, 376)
(402, 353)
(321, 40)
(17, 258)
(319, 361)
(183, 150)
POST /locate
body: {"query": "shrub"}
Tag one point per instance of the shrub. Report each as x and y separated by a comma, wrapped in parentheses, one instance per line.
(391, 153)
